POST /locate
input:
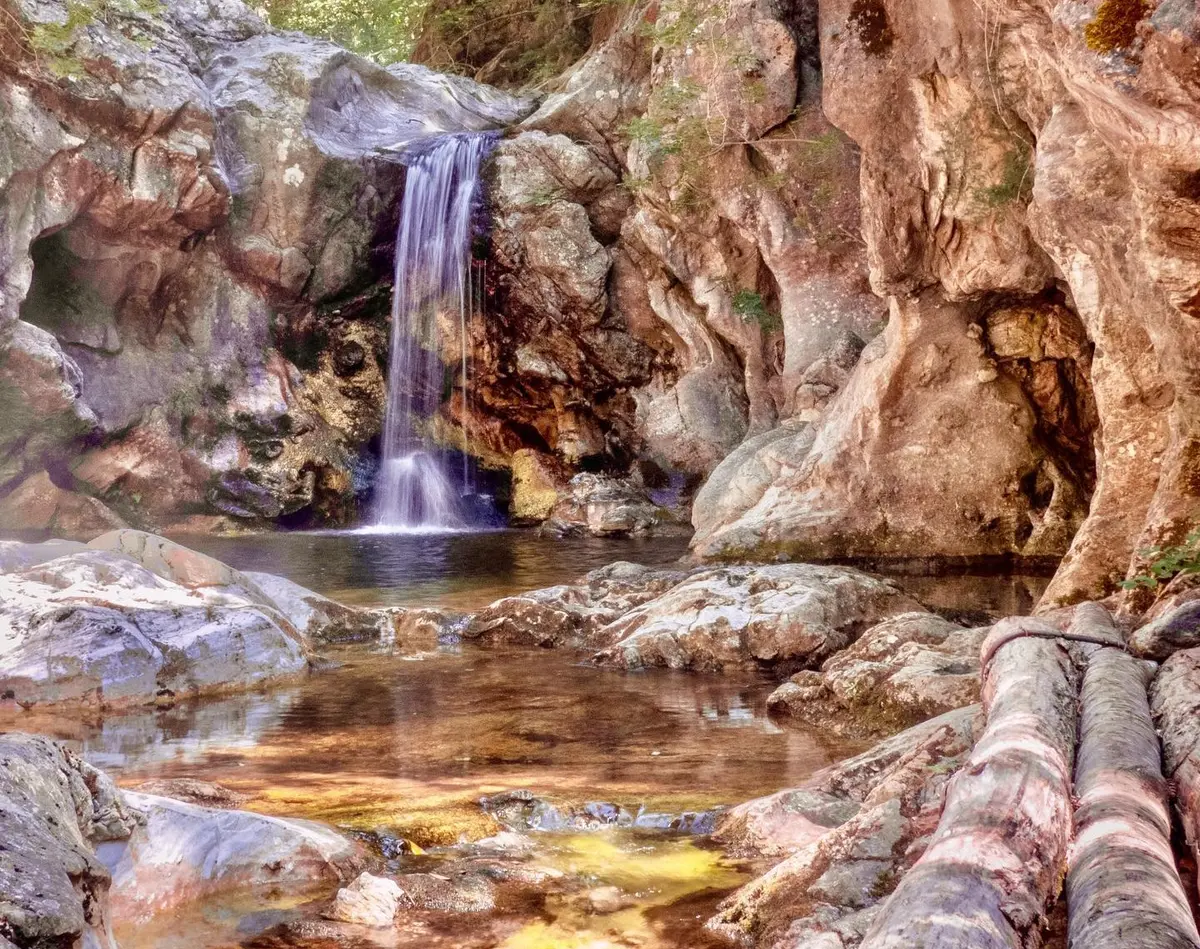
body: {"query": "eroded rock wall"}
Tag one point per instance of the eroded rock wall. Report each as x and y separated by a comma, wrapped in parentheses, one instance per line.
(196, 215)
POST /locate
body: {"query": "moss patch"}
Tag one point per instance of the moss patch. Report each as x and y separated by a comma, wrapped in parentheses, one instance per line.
(1115, 25)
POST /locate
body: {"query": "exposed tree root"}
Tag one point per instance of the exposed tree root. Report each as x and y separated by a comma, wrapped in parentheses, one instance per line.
(997, 860)
(1123, 891)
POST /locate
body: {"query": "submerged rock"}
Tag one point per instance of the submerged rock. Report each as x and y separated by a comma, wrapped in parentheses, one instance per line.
(182, 852)
(369, 901)
(523, 810)
(900, 672)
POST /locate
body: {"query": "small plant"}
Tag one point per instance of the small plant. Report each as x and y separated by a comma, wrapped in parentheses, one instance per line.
(1166, 563)
(544, 197)
(752, 308)
(1015, 180)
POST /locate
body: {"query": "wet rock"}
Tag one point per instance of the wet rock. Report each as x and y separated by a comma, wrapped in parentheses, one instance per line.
(54, 810)
(781, 614)
(523, 810)
(900, 672)
(569, 616)
(822, 894)
(369, 901)
(461, 893)
(15, 556)
(319, 618)
(607, 899)
(786, 822)
(181, 852)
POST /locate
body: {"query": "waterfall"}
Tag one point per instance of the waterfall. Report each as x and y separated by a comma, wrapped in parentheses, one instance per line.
(434, 283)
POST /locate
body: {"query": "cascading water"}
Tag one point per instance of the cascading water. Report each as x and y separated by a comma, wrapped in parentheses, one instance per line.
(434, 281)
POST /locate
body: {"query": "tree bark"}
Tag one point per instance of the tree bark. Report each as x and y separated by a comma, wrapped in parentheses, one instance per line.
(997, 860)
(1175, 701)
(1123, 891)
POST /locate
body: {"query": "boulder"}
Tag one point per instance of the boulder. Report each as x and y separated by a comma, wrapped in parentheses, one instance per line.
(100, 628)
(133, 617)
(54, 810)
(900, 672)
(785, 614)
(182, 852)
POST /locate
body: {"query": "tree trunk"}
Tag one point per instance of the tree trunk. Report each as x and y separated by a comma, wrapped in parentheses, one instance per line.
(1123, 891)
(1175, 701)
(997, 860)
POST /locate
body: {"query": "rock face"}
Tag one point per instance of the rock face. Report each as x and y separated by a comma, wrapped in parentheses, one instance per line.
(1020, 180)
(54, 810)
(706, 619)
(899, 673)
(197, 210)
(137, 618)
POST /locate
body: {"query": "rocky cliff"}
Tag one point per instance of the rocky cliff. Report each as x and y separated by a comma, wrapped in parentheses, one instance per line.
(1005, 191)
(872, 278)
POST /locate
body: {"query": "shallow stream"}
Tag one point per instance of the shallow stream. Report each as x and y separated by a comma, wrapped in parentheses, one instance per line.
(405, 747)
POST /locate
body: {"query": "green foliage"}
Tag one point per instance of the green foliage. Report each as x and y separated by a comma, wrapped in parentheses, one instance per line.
(752, 308)
(544, 197)
(1015, 182)
(382, 30)
(53, 43)
(1166, 563)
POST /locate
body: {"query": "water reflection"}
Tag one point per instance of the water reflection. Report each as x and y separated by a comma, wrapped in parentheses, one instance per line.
(411, 746)
(457, 570)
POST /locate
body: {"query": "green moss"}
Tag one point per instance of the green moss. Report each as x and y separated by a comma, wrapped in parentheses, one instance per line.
(1115, 25)
(1015, 182)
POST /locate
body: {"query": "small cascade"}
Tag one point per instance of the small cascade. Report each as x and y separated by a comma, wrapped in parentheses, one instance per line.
(436, 282)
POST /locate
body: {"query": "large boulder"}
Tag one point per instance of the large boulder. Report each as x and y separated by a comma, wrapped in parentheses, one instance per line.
(180, 853)
(54, 810)
(786, 614)
(702, 619)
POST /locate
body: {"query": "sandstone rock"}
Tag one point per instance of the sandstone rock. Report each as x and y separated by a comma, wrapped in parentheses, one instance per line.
(901, 672)
(37, 504)
(54, 810)
(463, 893)
(134, 617)
(785, 614)
(181, 853)
(318, 618)
(570, 616)
(96, 627)
(369, 901)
